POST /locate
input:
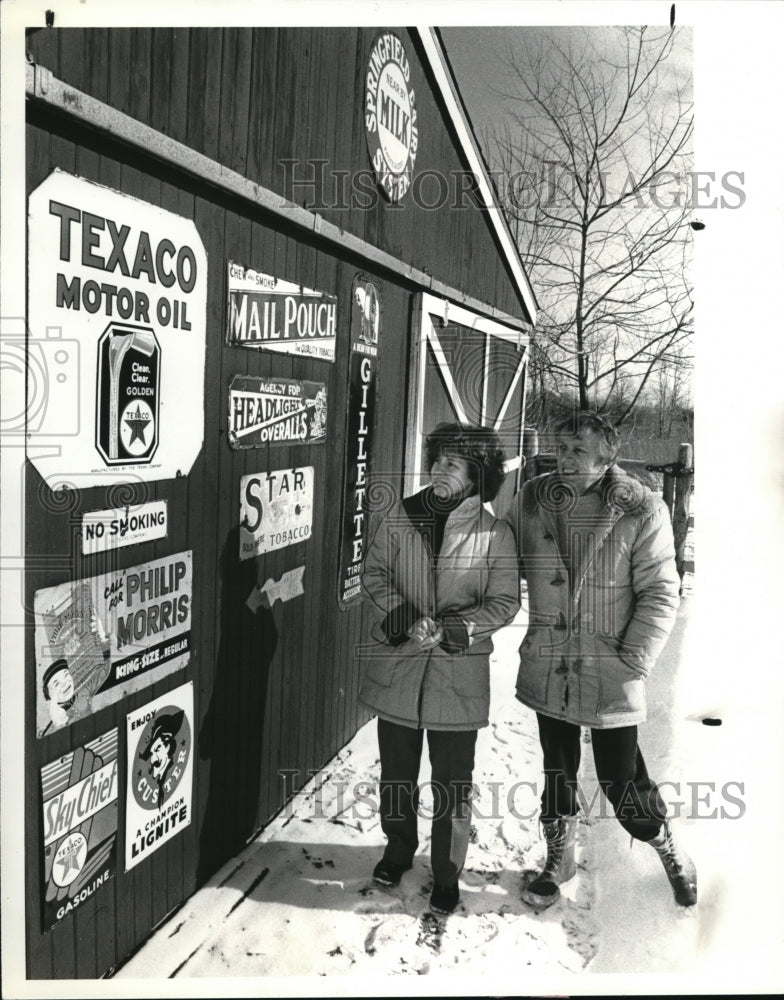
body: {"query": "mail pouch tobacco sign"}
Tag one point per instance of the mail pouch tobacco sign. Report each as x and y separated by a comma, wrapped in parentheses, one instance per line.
(270, 314)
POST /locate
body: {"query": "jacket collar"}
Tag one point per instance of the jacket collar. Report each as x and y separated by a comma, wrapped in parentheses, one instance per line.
(625, 494)
(467, 509)
(424, 507)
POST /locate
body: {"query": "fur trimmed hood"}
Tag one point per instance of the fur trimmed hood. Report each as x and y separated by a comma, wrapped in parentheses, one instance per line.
(619, 491)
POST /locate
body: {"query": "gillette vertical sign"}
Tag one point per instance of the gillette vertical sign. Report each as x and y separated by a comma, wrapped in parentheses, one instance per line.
(117, 323)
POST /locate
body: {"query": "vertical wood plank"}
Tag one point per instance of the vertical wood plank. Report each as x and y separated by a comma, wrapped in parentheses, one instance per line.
(236, 98)
(72, 64)
(47, 538)
(204, 531)
(119, 77)
(96, 62)
(176, 100)
(162, 92)
(208, 100)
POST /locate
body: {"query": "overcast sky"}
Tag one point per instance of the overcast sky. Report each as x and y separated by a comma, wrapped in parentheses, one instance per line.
(478, 52)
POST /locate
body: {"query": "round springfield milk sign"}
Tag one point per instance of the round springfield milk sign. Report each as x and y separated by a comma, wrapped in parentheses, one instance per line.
(390, 116)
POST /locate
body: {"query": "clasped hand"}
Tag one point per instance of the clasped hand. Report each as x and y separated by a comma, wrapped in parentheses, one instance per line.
(426, 632)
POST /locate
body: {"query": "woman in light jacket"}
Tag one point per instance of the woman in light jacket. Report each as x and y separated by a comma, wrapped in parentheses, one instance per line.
(441, 574)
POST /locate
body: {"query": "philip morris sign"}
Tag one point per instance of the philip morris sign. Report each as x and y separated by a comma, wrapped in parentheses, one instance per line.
(269, 314)
(100, 639)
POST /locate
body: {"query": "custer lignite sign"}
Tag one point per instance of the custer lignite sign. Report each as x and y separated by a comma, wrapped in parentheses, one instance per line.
(390, 116)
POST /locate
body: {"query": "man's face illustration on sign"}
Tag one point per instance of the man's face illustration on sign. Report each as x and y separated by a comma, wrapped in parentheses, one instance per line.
(160, 755)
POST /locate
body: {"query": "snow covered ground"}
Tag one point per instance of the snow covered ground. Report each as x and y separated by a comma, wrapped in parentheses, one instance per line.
(297, 914)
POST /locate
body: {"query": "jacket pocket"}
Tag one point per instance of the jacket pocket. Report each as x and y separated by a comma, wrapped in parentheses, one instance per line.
(621, 689)
(471, 676)
(380, 669)
(536, 663)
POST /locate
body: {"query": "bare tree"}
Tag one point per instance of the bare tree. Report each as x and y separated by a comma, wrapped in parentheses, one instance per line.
(595, 160)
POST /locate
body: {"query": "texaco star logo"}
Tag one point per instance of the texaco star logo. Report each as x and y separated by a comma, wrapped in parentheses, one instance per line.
(137, 421)
(69, 860)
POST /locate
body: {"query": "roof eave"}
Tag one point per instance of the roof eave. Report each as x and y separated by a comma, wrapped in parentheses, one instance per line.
(453, 102)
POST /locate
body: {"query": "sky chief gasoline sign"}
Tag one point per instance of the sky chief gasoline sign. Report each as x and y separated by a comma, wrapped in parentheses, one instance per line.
(390, 116)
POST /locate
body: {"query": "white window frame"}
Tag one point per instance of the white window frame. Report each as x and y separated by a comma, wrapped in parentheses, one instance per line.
(427, 309)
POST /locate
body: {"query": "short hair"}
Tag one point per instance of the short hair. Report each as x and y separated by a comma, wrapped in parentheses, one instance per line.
(481, 449)
(607, 431)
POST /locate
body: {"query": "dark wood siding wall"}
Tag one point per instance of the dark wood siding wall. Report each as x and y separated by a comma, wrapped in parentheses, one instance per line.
(258, 99)
(278, 691)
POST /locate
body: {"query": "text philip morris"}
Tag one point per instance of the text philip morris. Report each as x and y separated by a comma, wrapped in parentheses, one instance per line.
(101, 638)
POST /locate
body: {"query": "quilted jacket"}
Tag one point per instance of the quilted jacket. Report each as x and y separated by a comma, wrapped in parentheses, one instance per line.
(473, 589)
(592, 640)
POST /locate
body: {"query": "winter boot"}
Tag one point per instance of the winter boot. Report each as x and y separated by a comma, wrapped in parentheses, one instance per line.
(678, 865)
(560, 835)
(444, 898)
(389, 873)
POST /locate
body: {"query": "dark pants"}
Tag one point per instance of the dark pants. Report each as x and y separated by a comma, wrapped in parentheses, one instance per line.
(620, 769)
(452, 766)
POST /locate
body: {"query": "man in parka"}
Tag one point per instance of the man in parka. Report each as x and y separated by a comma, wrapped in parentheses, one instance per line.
(596, 549)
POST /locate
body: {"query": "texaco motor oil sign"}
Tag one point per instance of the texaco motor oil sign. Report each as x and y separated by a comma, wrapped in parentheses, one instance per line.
(117, 317)
(391, 116)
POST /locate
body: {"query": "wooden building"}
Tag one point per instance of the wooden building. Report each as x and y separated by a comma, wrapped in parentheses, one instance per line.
(262, 264)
